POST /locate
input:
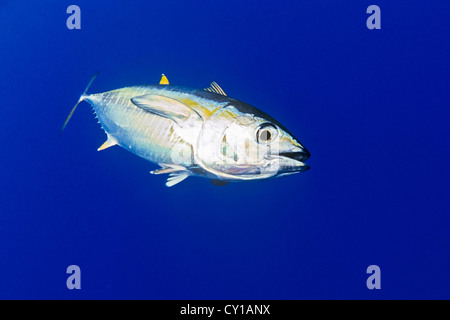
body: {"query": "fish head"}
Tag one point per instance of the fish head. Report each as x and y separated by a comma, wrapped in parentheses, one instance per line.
(239, 143)
(276, 146)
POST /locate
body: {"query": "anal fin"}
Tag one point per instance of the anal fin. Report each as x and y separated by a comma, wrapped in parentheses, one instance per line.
(110, 142)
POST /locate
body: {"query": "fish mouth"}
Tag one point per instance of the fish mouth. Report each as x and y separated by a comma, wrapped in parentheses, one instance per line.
(293, 161)
(297, 155)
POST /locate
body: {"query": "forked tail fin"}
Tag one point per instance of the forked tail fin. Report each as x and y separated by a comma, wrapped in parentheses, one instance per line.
(79, 100)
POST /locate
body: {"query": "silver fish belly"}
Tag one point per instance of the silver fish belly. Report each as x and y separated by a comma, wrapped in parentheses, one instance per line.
(191, 132)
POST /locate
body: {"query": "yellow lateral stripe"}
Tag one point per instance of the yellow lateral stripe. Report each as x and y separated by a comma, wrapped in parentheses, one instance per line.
(202, 110)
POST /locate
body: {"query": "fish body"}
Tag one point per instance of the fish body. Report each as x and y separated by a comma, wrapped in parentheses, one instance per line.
(192, 132)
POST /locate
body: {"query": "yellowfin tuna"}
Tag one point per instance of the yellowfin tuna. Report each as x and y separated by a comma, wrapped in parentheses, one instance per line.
(191, 132)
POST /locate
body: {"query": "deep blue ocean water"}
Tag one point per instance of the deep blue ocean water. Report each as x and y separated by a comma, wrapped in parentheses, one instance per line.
(372, 107)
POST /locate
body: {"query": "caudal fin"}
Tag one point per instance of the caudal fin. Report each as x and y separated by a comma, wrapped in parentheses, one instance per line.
(79, 100)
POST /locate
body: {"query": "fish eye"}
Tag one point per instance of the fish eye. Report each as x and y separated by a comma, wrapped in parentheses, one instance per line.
(266, 133)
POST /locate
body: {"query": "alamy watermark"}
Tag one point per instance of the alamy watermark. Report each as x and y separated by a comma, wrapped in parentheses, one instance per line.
(74, 280)
(74, 20)
(374, 280)
(374, 20)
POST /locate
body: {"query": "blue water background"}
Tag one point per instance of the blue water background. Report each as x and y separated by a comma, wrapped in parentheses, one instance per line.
(372, 106)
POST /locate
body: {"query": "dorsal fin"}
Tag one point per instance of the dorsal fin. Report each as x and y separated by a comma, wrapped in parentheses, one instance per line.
(164, 79)
(214, 87)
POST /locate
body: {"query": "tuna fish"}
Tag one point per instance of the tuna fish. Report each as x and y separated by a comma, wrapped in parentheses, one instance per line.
(192, 132)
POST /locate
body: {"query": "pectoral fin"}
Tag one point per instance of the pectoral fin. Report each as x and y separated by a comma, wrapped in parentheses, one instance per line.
(163, 106)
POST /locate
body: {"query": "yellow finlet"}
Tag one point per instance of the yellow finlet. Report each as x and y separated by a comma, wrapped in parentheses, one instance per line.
(164, 79)
(109, 143)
